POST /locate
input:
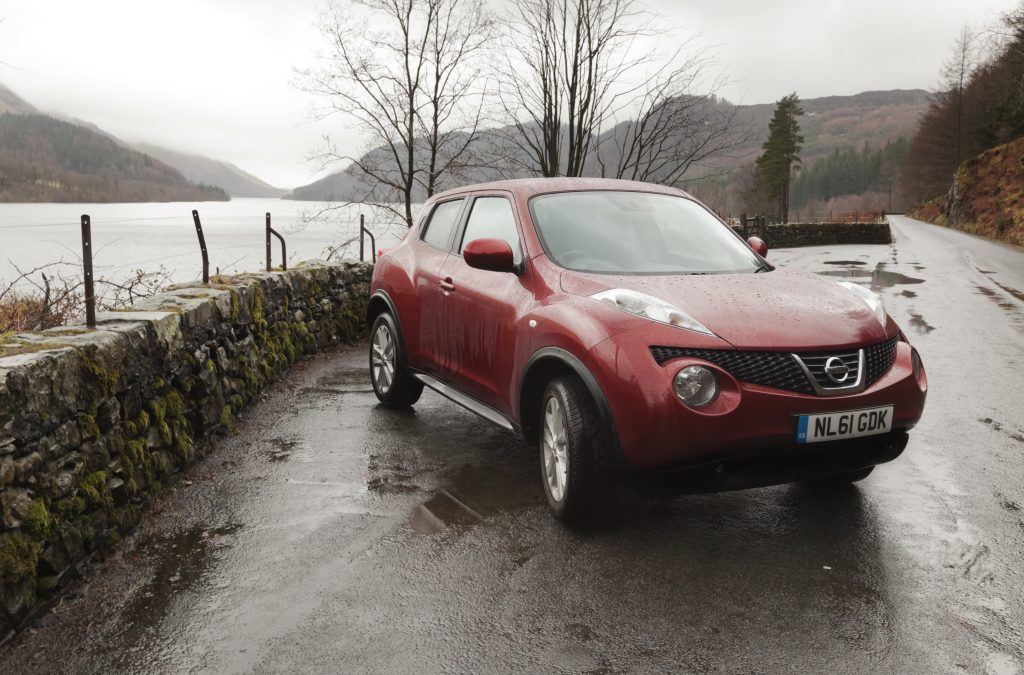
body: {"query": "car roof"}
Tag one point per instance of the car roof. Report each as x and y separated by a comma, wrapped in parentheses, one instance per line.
(527, 187)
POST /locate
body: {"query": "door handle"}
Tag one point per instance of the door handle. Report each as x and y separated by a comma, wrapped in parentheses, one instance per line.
(446, 285)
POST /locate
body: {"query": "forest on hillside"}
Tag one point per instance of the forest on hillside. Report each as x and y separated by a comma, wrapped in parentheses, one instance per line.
(867, 171)
(980, 105)
(43, 159)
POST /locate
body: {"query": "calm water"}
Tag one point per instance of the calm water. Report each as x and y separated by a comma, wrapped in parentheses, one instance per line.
(127, 237)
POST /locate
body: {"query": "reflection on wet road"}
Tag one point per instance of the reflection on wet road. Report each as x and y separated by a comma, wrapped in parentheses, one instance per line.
(332, 535)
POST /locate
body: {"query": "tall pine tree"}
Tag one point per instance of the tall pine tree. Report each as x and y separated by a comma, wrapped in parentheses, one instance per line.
(781, 153)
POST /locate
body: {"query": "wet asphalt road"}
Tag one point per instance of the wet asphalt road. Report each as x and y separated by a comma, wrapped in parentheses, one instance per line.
(332, 535)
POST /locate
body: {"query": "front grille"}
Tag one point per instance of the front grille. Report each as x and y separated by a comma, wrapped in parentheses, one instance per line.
(780, 370)
(768, 369)
(880, 358)
(816, 366)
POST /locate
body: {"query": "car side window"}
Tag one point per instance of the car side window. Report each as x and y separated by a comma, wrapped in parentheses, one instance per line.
(442, 222)
(492, 218)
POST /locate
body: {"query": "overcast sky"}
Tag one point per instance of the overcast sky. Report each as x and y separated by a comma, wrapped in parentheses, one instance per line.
(213, 77)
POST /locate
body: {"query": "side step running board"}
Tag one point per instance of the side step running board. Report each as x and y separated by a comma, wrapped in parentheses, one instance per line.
(467, 402)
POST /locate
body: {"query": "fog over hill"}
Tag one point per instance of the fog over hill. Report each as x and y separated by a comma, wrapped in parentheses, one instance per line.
(12, 103)
(200, 169)
(197, 172)
(43, 159)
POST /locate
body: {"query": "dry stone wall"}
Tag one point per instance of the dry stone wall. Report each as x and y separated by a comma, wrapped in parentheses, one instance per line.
(94, 422)
(793, 235)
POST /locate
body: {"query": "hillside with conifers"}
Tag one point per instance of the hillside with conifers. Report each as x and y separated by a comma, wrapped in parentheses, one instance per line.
(965, 164)
(986, 197)
(43, 159)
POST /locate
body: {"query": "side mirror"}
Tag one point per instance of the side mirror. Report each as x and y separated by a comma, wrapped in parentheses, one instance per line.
(759, 246)
(489, 254)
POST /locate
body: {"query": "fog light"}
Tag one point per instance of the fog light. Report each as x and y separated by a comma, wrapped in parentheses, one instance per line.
(696, 386)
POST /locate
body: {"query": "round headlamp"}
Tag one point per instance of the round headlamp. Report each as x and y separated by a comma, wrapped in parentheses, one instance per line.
(696, 386)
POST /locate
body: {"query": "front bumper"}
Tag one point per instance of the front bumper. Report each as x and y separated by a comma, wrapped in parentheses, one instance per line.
(749, 422)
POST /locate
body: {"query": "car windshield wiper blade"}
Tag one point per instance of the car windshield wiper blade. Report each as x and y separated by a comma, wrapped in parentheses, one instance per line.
(765, 267)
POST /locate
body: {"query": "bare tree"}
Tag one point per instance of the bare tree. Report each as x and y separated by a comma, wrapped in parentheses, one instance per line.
(673, 131)
(956, 74)
(406, 71)
(565, 58)
(583, 94)
(944, 139)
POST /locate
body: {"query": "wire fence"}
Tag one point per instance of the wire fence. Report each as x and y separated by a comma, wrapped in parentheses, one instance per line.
(56, 296)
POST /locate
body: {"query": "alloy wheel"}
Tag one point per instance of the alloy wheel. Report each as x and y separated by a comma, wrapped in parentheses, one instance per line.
(382, 359)
(556, 451)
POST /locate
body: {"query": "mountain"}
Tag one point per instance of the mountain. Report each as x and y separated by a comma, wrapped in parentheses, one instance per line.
(43, 159)
(12, 103)
(831, 123)
(839, 122)
(342, 186)
(200, 169)
(987, 196)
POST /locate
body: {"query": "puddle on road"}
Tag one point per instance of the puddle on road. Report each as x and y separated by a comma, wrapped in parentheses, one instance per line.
(1009, 289)
(908, 294)
(345, 381)
(1012, 291)
(282, 449)
(346, 378)
(476, 492)
(996, 298)
(996, 426)
(879, 278)
(919, 324)
(181, 561)
(845, 262)
(438, 513)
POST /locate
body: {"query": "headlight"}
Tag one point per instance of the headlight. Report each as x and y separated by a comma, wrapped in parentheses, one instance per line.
(651, 308)
(873, 300)
(915, 361)
(696, 386)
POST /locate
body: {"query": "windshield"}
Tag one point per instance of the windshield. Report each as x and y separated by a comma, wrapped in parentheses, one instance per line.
(636, 233)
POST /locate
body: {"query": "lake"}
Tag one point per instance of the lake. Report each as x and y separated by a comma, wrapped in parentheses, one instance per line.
(127, 237)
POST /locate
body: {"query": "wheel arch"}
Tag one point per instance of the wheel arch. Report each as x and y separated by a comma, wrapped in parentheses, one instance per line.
(380, 302)
(545, 365)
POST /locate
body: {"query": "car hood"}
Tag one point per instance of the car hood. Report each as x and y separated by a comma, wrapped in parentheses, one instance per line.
(776, 310)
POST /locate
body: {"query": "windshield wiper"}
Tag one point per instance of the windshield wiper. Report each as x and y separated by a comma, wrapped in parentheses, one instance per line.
(765, 267)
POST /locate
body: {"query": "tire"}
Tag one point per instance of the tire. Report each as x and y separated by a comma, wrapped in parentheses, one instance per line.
(853, 476)
(392, 382)
(573, 473)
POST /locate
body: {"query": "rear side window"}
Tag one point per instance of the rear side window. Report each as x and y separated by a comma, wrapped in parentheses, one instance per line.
(492, 218)
(442, 222)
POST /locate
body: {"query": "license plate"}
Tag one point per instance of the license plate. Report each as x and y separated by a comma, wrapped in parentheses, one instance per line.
(852, 424)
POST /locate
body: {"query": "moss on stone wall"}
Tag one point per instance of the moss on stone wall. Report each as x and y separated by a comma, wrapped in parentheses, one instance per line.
(19, 556)
(127, 408)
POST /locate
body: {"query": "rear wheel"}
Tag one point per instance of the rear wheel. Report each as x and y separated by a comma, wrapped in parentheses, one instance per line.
(575, 482)
(392, 382)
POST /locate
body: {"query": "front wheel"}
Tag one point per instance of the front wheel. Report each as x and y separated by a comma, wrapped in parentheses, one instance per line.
(392, 382)
(575, 482)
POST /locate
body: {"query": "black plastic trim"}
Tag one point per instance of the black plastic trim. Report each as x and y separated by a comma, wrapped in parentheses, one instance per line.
(383, 295)
(617, 457)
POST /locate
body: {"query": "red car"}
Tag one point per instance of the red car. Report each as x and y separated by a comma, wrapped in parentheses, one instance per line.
(623, 325)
